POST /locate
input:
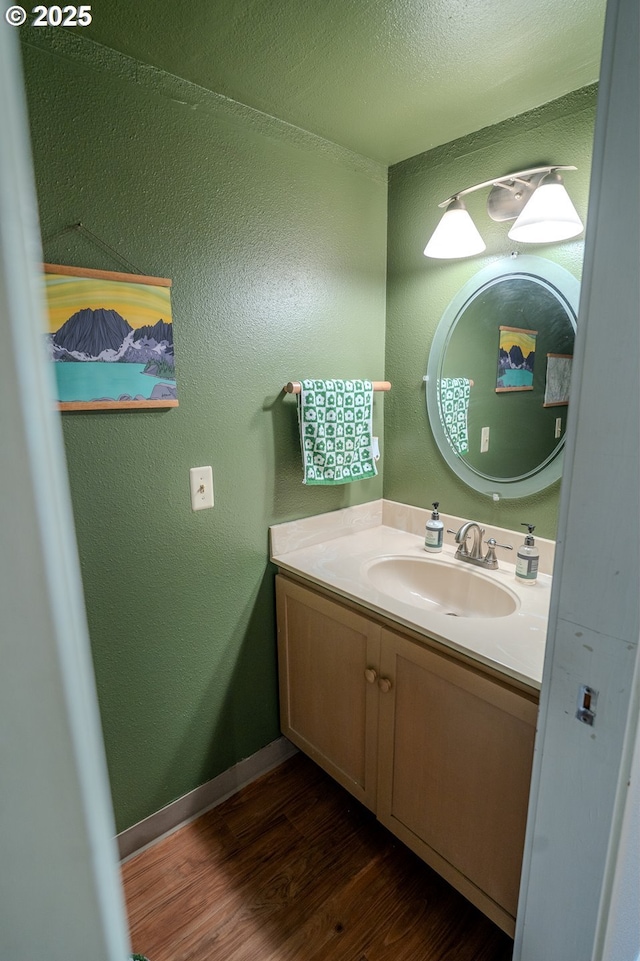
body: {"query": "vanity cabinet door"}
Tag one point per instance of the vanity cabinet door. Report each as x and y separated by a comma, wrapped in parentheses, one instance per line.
(328, 661)
(455, 756)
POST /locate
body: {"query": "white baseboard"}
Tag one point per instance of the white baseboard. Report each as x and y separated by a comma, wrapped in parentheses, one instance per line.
(208, 795)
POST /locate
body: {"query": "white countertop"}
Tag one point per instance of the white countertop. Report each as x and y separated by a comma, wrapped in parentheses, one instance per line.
(513, 644)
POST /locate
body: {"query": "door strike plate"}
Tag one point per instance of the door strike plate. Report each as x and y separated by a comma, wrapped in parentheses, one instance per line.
(587, 699)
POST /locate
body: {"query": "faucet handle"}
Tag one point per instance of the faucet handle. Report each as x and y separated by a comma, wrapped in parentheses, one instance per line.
(490, 559)
(492, 542)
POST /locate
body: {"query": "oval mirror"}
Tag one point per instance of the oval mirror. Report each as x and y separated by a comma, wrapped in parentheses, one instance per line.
(498, 376)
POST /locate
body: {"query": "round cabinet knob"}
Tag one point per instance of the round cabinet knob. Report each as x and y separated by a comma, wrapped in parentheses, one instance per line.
(384, 684)
(370, 675)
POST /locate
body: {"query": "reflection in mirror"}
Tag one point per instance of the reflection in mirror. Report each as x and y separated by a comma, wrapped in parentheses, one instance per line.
(498, 376)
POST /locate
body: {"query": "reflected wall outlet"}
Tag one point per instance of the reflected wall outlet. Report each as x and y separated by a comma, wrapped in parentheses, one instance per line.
(201, 484)
(484, 440)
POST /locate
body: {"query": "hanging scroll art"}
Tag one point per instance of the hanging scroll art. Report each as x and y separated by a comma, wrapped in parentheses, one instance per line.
(110, 337)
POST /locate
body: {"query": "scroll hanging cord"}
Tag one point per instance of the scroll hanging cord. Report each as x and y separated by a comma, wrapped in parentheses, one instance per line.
(80, 227)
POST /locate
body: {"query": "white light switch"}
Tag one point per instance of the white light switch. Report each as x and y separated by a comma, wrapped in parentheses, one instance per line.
(558, 427)
(484, 440)
(201, 484)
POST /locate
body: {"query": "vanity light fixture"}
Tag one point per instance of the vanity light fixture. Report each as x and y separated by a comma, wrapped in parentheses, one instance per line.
(535, 199)
(456, 235)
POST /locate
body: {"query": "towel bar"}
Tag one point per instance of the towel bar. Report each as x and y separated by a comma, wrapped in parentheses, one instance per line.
(426, 379)
(294, 386)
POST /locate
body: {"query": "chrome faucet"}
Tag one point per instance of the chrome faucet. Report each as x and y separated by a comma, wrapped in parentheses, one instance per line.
(475, 556)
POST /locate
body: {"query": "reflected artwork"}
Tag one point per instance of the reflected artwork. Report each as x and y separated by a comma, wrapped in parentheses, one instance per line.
(558, 385)
(516, 357)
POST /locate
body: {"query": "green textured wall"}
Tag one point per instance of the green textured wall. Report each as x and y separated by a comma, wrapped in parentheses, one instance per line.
(419, 289)
(276, 244)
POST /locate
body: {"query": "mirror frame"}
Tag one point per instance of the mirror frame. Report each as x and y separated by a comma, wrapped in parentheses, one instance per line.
(567, 289)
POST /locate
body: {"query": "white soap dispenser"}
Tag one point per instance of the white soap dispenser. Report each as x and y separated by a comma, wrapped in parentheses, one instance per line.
(434, 532)
(528, 558)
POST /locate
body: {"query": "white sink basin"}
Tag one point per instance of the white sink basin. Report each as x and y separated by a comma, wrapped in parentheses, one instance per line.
(456, 589)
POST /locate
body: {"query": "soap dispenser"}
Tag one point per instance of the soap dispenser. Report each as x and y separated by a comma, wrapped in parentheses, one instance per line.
(434, 532)
(528, 558)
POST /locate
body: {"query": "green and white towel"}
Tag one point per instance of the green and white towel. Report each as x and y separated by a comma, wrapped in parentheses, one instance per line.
(336, 431)
(454, 404)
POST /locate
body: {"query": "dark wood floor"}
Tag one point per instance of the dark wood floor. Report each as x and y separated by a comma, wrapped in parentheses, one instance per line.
(293, 869)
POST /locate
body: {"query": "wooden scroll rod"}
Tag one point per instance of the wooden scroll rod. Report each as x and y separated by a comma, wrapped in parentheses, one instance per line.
(294, 386)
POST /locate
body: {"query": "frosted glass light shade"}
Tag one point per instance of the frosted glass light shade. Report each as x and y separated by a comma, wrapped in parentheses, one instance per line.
(455, 236)
(548, 216)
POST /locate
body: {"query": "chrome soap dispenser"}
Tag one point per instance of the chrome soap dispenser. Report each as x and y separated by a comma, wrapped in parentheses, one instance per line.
(434, 532)
(528, 558)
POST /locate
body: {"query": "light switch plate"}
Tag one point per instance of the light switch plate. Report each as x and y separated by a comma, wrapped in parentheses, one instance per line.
(201, 484)
(484, 440)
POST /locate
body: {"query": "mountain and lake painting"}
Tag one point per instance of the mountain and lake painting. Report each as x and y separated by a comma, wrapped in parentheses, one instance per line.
(110, 336)
(516, 357)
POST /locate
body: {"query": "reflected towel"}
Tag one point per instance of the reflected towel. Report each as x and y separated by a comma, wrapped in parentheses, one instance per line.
(336, 431)
(454, 405)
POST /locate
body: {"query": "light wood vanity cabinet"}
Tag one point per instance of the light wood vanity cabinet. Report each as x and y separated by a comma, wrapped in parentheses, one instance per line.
(440, 749)
(454, 762)
(327, 707)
